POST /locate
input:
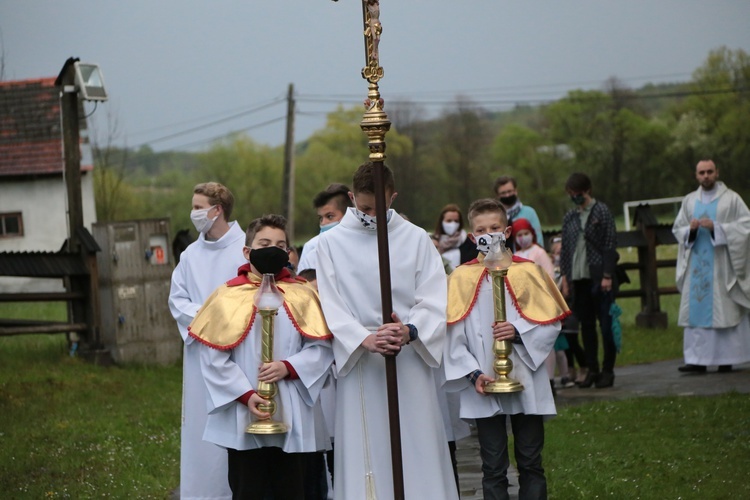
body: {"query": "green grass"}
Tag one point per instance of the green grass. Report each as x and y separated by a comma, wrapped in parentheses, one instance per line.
(676, 447)
(71, 429)
(53, 311)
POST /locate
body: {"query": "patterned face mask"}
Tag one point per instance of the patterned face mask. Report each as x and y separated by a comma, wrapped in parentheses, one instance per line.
(484, 241)
(369, 221)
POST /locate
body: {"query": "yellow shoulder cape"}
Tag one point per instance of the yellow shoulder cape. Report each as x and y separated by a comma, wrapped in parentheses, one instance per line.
(227, 316)
(532, 291)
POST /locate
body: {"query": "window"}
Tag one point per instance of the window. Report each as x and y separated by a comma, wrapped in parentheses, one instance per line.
(11, 225)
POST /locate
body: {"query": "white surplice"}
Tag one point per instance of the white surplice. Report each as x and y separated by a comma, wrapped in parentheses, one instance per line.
(469, 348)
(309, 257)
(231, 373)
(348, 280)
(728, 341)
(204, 265)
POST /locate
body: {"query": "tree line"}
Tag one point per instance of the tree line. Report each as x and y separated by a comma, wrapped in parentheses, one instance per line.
(634, 144)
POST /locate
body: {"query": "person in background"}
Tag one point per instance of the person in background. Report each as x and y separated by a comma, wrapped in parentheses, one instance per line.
(204, 265)
(528, 248)
(330, 204)
(506, 190)
(452, 242)
(588, 263)
(574, 352)
(293, 259)
(713, 274)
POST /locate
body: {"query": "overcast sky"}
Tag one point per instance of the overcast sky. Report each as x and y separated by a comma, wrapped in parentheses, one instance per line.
(175, 65)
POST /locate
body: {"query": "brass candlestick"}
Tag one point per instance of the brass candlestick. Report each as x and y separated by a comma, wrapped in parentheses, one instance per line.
(497, 261)
(267, 301)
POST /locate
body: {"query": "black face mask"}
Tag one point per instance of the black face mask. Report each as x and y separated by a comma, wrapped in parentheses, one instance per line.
(509, 200)
(269, 260)
(578, 199)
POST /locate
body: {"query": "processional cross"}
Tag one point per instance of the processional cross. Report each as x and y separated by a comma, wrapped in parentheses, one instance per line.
(375, 125)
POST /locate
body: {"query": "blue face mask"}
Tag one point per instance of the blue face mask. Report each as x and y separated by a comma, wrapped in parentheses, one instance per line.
(326, 227)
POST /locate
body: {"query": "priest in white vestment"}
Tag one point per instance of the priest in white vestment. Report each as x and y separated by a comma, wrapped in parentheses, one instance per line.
(713, 274)
(348, 280)
(207, 263)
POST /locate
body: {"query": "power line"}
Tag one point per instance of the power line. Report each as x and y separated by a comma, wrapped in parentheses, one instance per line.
(205, 117)
(490, 90)
(222, 136)
(211, 124)
(542, 100)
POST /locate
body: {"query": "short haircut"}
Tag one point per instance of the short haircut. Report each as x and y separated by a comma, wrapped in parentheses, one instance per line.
(486, 206)
(578, 183)
(308, 274)
(335, 193)
(503, 180)
(271, 220)
(451, 207)
(217, 194)
(364, 179)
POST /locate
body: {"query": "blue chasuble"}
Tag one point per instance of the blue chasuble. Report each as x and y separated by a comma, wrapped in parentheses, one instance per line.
(702, 270)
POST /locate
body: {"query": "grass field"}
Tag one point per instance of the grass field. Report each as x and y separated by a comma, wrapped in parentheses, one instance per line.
(74, 430)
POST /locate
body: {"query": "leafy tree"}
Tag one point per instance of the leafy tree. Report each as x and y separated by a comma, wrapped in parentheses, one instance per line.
(539, 168)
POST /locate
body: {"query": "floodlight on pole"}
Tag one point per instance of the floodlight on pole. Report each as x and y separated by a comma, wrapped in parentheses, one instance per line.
(89, 82)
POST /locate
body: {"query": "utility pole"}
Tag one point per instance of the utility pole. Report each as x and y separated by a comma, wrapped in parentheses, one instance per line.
(288, 188)
(69, 105)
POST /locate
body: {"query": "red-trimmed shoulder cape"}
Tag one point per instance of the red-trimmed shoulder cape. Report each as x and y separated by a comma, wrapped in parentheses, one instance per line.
(532, 291)
(227, 316)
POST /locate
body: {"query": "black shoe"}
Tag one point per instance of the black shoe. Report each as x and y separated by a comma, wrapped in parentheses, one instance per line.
(725, 368)
(606, 379)
(688, 368)
(591, 379)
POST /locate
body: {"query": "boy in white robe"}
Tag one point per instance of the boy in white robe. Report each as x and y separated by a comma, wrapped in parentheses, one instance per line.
(348, 280)
(230, 330)
(534, 309)
(204, 265)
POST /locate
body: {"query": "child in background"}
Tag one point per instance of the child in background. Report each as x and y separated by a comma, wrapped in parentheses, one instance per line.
(573, 351)
(525, 240)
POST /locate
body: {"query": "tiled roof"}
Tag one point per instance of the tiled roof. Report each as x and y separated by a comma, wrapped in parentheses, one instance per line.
(30, 128)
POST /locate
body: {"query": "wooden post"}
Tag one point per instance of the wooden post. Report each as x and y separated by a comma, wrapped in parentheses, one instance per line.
(69, 104)
(651, 315)
(288, 188)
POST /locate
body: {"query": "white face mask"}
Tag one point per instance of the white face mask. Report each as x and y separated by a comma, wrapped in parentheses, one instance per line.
(484, 241)
(201, 221)
(525, 240)
(450, 228)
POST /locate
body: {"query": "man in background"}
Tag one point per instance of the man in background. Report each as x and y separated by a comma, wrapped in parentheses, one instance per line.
(331, 205)
(713, 274)
(506, 191)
